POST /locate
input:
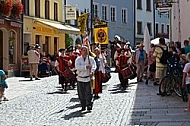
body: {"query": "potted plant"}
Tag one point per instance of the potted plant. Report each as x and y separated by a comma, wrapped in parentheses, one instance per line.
(5, 7)
(17, 9)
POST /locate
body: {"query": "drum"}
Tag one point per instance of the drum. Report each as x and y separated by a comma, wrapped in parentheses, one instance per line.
(68, 74)
(126, 72)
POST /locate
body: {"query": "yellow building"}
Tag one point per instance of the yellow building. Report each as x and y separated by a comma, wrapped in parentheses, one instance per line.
(43, 25)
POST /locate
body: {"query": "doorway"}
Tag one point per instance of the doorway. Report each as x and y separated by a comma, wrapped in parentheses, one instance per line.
(1, 50)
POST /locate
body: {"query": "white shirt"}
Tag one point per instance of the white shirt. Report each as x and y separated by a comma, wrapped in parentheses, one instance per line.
(83, 73)
(185, 70)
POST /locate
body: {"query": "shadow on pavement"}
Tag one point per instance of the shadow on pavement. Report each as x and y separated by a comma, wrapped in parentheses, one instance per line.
(25, 80)
(74, 100)
(75, 114)
(74, 106)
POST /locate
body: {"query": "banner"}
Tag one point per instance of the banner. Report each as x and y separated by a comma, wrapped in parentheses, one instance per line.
(82, 22)
(101, 35)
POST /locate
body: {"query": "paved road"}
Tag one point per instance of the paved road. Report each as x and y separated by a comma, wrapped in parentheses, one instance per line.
(41, 103)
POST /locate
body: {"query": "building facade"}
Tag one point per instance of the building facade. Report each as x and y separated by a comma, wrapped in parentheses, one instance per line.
(180, 21)
(119, 16)
(147, 15)
(10, 35)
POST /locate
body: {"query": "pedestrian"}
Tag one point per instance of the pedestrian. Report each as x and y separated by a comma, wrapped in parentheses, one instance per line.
(33, 60)
(140, 60)
(161, 69)
(3, 85)
(85, 66)
(186, 80)
(151, 64)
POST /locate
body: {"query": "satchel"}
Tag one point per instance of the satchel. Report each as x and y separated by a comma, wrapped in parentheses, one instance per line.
(107, 75)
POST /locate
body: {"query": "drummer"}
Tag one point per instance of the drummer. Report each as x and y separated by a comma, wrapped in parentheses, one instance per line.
(123, 61)
(62, 62)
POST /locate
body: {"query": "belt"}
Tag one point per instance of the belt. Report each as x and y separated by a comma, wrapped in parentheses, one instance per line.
(84, 76)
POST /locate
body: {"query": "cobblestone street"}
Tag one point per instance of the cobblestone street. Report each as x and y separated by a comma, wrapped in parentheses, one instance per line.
(41, 103)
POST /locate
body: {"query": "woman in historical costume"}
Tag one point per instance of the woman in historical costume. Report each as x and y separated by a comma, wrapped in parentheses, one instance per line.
(99, 72)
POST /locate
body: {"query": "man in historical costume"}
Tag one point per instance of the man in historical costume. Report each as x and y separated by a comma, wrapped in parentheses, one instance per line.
(85, 66)
(62, 63)
(140, 60)
(99, 72)
(123, 61)
(33, 60)
(73, 57)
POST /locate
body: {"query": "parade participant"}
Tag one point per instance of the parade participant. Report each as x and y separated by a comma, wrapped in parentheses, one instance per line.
(73, 57)
(78, 49)
(62, 63)
(99, 72)
(123, 60)
(85, 66)
(33, 60)
(3, 85)
(140, 60)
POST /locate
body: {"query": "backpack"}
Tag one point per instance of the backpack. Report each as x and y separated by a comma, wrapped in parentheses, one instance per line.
(165, 56)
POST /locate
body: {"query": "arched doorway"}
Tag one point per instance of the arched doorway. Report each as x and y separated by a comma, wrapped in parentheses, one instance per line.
(1, 49)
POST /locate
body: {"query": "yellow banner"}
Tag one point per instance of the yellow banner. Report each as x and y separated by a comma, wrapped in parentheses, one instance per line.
(82, 22)
(101, 35)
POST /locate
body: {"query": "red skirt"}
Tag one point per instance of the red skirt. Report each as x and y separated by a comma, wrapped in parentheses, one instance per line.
(98, 82)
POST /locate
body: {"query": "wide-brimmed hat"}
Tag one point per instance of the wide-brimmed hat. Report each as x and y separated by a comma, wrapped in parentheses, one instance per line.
(62, 49)
(69, 49)
(141, 45)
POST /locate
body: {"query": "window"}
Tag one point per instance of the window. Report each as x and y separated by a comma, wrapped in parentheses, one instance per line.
(12, 47)
(37, 39)
(139, 28)
(55, 44)
(37, 8)
(162, 28)
(55, 12)
(139, 4)
(148, 5)
(149, 25)
(26, 7)
(47, 9)
(104, 12)
(156, 29)
(95, 10)
(168, 29)
(113, 14)
(124, 15)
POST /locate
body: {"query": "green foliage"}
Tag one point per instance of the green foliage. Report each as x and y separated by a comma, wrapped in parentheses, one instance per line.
(68, 40)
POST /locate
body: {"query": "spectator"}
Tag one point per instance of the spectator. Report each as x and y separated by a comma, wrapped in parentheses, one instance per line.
(3, 85)
(160, 68)
(187, 47)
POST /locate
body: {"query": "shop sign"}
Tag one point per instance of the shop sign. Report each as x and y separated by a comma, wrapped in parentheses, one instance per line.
(43, 29)
(70, 13)
(14, 24)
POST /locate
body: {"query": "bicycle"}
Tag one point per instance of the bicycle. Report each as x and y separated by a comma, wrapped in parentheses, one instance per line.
(172, 82)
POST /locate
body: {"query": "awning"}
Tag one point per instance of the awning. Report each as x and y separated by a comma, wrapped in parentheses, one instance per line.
(62, 28)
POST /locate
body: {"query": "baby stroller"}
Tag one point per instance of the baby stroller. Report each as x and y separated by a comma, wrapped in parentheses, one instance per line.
(44, 67)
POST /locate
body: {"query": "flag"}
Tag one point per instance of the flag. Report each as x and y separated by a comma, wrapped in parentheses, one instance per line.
(101, 35)
(146, 40)
(82, 22)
